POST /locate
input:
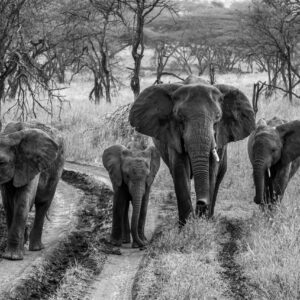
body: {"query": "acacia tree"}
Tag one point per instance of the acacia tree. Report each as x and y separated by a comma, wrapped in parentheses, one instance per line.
(135, 14)
(98, 29)
(24, 37)
(273, 32)
(164, 49)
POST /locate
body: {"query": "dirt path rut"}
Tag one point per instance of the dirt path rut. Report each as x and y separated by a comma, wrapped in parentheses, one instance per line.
(99, 173)
(61, 222)
(232, 274)
(117, 277)
(62, 219)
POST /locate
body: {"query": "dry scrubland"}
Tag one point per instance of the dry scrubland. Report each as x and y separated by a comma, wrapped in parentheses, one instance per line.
(186, 264)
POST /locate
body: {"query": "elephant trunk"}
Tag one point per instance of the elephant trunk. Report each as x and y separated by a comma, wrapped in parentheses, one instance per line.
(259, 171)
(199, 149)
(137, 193)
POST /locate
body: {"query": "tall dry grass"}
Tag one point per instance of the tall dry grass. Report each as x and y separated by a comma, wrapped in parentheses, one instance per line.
(182, 264)
(187, 260)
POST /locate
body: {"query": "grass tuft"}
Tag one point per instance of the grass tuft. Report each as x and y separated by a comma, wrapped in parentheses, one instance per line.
(181, 264)
(272, 259)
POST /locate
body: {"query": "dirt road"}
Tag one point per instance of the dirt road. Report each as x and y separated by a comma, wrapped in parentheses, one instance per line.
(117, 276)
(118, 273)
(116, 279)
(62, 219)
(61, 216)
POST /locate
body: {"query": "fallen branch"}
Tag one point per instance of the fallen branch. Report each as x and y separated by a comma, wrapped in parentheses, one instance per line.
(279, 88)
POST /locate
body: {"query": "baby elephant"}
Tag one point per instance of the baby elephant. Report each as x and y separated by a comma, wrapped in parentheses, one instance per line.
(274, 150)
(132, 172)
(31, 163)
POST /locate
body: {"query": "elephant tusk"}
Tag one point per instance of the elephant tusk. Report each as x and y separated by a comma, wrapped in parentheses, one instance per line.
(215, 155)
(269, 173)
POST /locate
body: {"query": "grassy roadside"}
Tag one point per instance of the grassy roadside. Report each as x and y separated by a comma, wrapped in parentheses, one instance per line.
(181, 265)
(68, 271)
(272, 259)
(185, 264)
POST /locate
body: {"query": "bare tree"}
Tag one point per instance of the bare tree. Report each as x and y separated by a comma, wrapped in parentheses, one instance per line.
(136, 14)
(99, 34)
(21, 71)
(273, 32)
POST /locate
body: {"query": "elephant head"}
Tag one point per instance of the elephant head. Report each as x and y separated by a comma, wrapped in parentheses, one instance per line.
(196, 119)
(134, 169)
(272, 147)
(25, 153)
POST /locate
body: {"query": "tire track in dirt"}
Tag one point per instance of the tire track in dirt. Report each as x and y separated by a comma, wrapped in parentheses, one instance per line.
(233, 275)
(61, 222)
(117, 277)
(39, 274)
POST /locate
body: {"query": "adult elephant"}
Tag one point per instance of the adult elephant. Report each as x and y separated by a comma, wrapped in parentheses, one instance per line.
(274, 150)
(191, 124)
(31, 163)
(132, 171)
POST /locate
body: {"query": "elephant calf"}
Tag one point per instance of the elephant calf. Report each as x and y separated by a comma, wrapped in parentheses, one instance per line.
(274, 150)
(132, 172)
(31, 163)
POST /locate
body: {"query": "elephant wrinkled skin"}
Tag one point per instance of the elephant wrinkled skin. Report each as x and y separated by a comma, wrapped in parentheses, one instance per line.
(274, 150)
(132, 172)
(191, 124)
(31, 163)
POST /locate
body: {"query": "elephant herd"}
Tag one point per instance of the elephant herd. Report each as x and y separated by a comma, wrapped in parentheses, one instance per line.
(191, 124)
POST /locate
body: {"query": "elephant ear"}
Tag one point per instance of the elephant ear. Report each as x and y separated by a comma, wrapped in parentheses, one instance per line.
(290, 137)
(154, 164)
(238, 119)
(152, 114)
(35, 152)
(111, 159)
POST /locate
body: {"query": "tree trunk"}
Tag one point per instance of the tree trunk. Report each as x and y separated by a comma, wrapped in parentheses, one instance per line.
(138, 50)
(290, 81)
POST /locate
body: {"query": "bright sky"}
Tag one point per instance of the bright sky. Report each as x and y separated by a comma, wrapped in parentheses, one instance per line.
(227, 3)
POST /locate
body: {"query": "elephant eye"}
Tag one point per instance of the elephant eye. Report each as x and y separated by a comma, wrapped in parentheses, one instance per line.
(180, 116)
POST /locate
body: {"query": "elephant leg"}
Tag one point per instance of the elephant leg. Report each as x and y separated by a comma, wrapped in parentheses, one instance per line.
(21, 203)
(120, 198)
(213, 176)
(181, 173)
(143, 215)
(126, 227)
(7, 193)
(280, 182)
(222, 168)
(41, 208)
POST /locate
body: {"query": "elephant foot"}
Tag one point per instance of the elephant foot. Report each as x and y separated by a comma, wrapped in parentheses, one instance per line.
(116, 243)
(201, 208)
(138, 245)
(144, 239)
(13, 254)
(126, 240)
(36, 246)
